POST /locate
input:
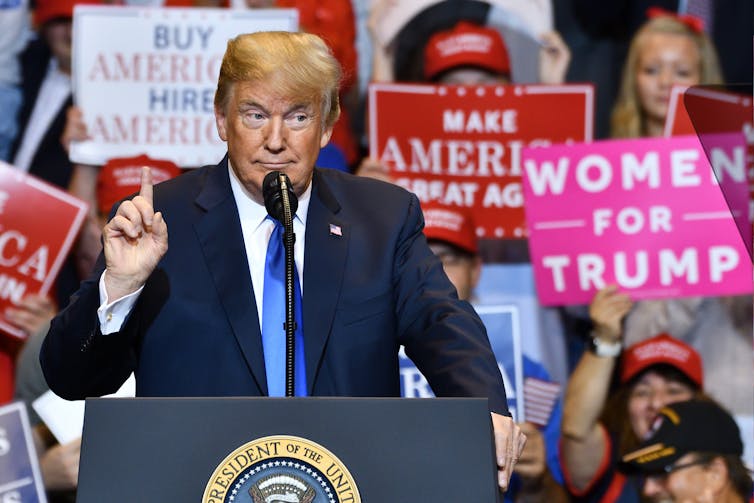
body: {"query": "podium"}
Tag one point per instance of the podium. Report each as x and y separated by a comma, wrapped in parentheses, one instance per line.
(394, 449)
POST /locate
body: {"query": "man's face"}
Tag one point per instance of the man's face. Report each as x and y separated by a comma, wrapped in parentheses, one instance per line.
(58, 33)
(268, 132)
(462, 269)
(688, 482)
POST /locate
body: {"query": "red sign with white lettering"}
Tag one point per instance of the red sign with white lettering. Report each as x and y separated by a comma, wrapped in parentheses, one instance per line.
(699, 110)
(705, 110)
(461, 145)
(38, 225)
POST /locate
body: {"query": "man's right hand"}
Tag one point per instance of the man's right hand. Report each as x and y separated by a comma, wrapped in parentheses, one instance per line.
(134, 241)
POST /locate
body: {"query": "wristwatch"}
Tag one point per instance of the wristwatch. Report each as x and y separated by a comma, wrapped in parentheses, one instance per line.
(604, 348)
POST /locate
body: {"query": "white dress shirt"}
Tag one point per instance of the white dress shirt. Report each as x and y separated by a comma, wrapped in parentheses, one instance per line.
(256, 229)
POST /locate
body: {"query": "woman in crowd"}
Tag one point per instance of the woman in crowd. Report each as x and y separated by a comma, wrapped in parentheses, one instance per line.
(673, 50)
(597, 430)
(667, 50)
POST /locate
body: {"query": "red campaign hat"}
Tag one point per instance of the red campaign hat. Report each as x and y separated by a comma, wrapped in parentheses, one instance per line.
(662, 349)
(450, 224)
(466, 44)
(121, 177)
(47, 10)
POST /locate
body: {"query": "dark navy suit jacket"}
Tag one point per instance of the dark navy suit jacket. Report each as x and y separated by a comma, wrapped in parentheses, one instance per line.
(194, 330)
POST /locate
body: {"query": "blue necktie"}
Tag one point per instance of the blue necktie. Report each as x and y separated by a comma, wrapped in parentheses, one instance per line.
(273, 320)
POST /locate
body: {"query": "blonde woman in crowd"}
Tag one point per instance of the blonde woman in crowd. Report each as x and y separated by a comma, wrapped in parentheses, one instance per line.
(667, 50)
(675, 50)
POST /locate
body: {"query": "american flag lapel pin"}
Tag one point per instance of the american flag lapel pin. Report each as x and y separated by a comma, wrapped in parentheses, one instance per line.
(335, 230)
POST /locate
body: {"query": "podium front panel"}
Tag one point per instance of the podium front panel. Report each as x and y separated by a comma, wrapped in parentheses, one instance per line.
(396, 449)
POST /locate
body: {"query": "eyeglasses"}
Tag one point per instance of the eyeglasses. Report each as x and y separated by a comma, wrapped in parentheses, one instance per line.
(665, 471)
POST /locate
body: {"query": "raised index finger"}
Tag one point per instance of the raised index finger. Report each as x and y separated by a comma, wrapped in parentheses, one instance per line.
(146, 184)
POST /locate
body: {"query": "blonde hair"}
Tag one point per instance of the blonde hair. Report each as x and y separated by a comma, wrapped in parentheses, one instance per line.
(628, 117)
(297, 65)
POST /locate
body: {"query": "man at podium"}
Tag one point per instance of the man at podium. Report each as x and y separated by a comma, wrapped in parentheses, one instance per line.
(195, 313)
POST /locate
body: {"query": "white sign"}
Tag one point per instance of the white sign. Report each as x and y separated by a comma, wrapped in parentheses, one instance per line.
(145, 78)
(65, 418)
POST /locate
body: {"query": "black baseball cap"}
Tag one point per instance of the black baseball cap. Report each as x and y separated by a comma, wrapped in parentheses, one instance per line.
(684, 427)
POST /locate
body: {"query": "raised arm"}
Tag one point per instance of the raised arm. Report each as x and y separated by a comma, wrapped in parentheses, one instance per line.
(382, 55)
(583, 438)
(135, 240)
(78, 360)
(554, 58)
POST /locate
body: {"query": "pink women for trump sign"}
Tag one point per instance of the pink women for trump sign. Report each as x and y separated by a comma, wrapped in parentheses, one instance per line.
(647, 215)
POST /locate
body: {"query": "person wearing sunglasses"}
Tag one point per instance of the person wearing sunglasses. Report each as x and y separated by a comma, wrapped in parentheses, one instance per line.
(693, 454)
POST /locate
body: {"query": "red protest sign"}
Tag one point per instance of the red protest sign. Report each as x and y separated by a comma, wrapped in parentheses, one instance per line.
(700, 110)
(38, 224)
(461, 145)
(707, 110)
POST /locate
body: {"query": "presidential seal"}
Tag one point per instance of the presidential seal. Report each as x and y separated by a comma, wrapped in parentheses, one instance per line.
(281, 469)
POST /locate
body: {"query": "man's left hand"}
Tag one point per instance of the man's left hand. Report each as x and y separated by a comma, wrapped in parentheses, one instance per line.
(509, 443)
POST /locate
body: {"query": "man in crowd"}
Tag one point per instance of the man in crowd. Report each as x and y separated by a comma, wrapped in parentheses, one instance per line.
(693, 454)
(47, 94)
(46, 82)
(470, 54)
(191, 320)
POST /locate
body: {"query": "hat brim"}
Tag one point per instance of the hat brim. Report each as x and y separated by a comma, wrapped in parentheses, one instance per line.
(627, 376)
(650, 459)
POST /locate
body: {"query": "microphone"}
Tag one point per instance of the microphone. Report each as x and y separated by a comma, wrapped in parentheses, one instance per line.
(275, 187)
(281, 203)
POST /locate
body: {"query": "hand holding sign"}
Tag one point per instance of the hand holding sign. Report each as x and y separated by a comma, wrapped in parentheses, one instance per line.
(135, 240)
(607, 310)
(75, 128)
(33, 313)
(554, 58)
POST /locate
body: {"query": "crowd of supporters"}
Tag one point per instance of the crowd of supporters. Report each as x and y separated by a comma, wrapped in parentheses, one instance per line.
(632, 359)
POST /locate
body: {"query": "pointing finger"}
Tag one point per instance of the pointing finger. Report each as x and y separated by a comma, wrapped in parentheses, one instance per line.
(146, 184)
(145, 210)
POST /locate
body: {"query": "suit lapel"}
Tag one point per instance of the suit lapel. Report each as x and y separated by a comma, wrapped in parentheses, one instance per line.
(324, 259)
(220, 237)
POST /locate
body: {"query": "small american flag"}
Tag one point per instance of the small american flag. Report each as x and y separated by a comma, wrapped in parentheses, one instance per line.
(539, 399)
(335, 230)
